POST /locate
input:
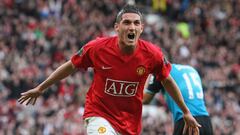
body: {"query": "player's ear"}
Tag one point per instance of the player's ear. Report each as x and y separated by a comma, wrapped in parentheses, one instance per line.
(142, 27)
(116, 27)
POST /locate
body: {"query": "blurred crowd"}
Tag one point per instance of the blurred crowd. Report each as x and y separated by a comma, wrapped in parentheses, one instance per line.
(38, 36)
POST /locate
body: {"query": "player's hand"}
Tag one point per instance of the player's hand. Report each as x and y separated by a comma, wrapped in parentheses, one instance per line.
(30, 96)
(191, 125)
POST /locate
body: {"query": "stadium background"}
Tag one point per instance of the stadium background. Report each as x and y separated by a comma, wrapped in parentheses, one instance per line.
(38, 36)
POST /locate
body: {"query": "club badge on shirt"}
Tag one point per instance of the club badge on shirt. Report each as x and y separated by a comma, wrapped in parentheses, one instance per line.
(102, 130)
(140, 70)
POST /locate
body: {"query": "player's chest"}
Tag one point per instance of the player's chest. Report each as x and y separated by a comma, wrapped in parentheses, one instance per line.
(117, 67)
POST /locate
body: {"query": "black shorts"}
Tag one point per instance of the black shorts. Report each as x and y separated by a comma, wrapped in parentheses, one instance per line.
(204, 121)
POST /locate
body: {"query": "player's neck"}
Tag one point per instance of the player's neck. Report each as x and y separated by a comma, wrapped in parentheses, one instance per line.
(126, 49)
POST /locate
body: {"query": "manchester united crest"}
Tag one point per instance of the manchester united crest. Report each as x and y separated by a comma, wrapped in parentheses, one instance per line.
(141, 70)
(102, 130)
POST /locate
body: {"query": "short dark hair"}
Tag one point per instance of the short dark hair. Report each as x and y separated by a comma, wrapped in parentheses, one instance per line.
(128, 9)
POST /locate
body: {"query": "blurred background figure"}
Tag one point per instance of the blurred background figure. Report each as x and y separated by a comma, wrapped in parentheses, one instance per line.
(38, 36)
(190, 85)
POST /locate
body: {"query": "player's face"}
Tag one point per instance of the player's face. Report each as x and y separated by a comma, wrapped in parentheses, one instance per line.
(129, 29)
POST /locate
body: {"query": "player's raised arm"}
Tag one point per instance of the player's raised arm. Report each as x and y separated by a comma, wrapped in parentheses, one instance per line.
(173, 90)
(60, 73)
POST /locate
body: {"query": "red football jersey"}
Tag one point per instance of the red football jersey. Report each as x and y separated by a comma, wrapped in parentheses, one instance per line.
(117, 89)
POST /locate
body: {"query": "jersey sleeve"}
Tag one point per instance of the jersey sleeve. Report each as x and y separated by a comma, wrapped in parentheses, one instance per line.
(83, 58)
(163, 66)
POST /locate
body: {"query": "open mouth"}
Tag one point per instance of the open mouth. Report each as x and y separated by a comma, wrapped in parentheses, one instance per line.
(131, 36)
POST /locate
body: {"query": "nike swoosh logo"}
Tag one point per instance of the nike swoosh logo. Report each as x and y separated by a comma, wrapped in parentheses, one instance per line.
(103, 67)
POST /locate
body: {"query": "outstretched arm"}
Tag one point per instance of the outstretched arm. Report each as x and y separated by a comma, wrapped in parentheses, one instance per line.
(171, 87)
(59, 74)
(173, 90)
